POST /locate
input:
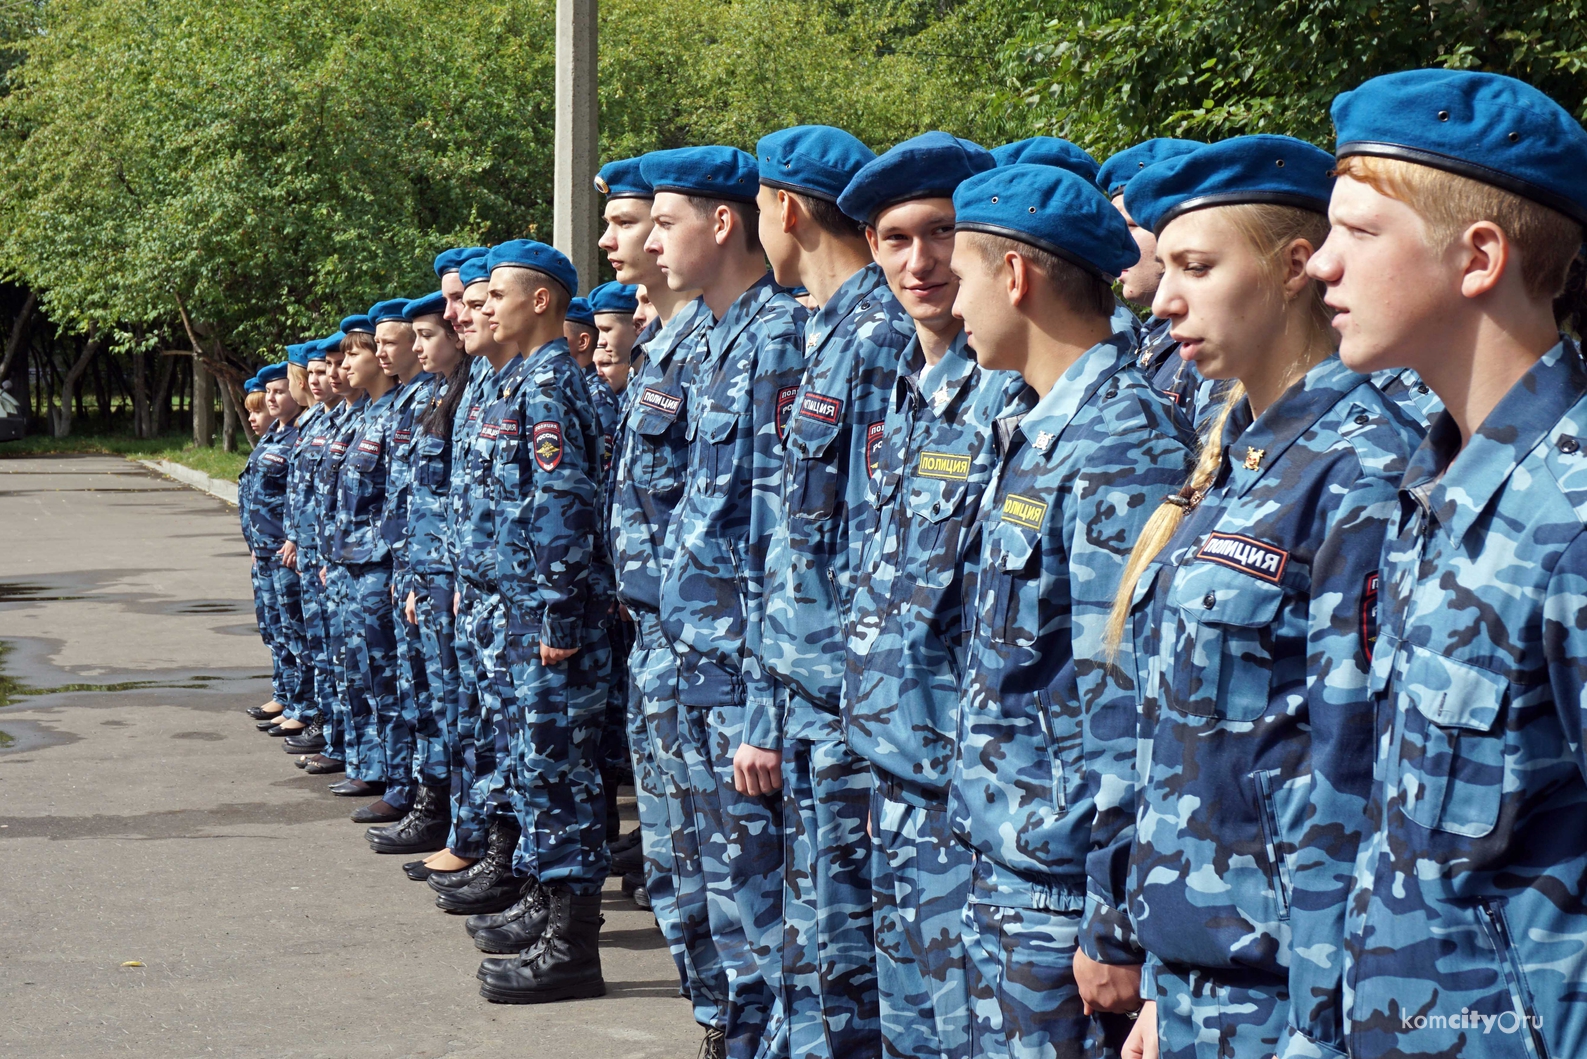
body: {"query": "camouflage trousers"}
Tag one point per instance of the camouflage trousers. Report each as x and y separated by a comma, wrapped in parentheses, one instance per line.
(335, 605)
(1022, 985)
(1228, 1017)
(481, 767)
(316, 641)
(921, 881)
(555, 738)
(297, 669)
(264, 606)
(668, 832)
(436, 730)
(371, 670)
(829, 946)
(400, 737)
(614, 755)
(741, 853)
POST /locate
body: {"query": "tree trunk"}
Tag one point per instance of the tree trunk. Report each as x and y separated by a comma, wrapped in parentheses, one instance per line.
(228, 406)
(19, 330)
(102, 391)
(203, 404)
(140, 396)
(161, 421)
(70, 396)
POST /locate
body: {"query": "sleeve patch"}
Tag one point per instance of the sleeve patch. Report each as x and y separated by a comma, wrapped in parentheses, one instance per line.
(1369, 613)
(785, 400)
(873, 446)
(548, 445)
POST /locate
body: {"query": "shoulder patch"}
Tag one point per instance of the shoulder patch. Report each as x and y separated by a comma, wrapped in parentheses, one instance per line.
(668, 404)
(1024, 511)
(873, 445)
(949, 466)
(548, 445)
(785, 400)
(1245, 554)
(821, 408)
(1369, 613)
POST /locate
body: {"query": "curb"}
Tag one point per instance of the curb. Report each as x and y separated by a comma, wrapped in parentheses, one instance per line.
(221, 490)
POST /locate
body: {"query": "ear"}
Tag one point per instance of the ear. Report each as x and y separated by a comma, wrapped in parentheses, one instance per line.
(1017, 277)
(1486, 257)
(723, 223)
(871, 240)
(1295, 258)
(542, 301)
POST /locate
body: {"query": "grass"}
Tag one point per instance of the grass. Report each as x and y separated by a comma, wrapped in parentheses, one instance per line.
(178, 448)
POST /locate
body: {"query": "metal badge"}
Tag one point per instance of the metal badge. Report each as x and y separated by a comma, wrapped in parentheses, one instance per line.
(1043, 440)
(1253, 458)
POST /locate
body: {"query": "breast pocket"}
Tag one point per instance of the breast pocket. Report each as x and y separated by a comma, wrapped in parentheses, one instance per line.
(718, 437)
(434, 462)
(813, 468)
(931, 505)
(1223, 659)
(1452, 750)
(1011, 585)
(659, 462)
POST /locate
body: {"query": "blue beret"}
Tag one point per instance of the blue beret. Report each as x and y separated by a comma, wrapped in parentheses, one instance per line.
(474, 270)
(1052, 209)
(622, 179)
(712, 172)
(298, 353)
(811, 160)
(329, 344)
(1117, 171)
(253, 385)
(391, 309)
(357, 323)
(1047, 150)
(1280, 170)
(429, 305)
(452, 260)
(929, 166)
(272, 373)
(614, 298)
(526, 253)
(579, 312)
(1487, 127)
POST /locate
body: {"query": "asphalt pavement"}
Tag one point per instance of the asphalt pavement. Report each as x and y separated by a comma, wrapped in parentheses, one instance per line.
(172, 886)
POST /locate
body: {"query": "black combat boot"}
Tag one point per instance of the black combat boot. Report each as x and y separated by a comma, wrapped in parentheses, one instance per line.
(493, 887)
(566, 965)
(526, 896)
(309, 741)
(518, 933)
(423, 830)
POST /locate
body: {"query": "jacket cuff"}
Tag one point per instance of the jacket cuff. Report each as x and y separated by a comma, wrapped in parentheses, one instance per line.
(561, 633)
(1107, 935)
(762, 723)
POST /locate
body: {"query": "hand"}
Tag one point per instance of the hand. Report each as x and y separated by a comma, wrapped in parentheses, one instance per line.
(552, 655)
(1142, 1041)
(322, 574)
(457, 601)
(408, 611)
(289, 555)
(1107, 986)
(756, 771)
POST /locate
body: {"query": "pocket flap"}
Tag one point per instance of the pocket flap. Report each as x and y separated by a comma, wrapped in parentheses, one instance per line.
(717, 426)
(935, 500)
(810, 437)
(1453, 693)
(1010, 547)
(430, 445)
(652, 424)
(1213, 593)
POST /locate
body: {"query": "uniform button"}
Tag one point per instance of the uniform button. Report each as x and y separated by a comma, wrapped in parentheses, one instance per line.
(1421, 387)
(1363, 419)
(1210, 600)
(1568, 444)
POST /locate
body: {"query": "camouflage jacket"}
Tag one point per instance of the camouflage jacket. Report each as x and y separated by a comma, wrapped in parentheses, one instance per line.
(361, 485)
(268, 511)
(653, 457)
(339, 430)
(1406, 388)
(302, 509)
(1253, 629)
(1077, 478)
(411, 400)
(247, 487)
(471, 531)
(607, 413)
(543, 454)
(428, 554)
(1467, 930)
(906, 647)
(833, 437)
(743, 388)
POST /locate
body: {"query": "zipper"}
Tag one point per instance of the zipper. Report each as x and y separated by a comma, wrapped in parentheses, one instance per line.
(1505, 950)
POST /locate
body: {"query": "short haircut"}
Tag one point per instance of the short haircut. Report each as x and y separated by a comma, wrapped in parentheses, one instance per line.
(747, 214)
(358, 341)
(1082, 290)
(254, 402)
(829, 218)
(1546, 239)
(532, 279)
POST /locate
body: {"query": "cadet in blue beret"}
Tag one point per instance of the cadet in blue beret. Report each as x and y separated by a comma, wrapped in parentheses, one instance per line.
(273, 519)
(357, 324)
(448, 269)
(270, 712)
(578, 327)
(1457, 227)
(1194, 398)
(852, 347)
(580, 331)
(1048, 150)
(931, 465)
(1250, 610)
(747, 369)
(1036, 251)
(613, 306)
(645, 482)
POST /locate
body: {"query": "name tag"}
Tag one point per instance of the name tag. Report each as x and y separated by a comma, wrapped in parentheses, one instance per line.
(1244, 553)
(1024, 511)
(666, 403)
(949, 466)
(821, 408)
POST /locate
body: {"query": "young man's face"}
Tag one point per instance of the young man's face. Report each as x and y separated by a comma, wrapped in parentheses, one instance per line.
(1389, 288)
(435, 345)
(1140, 280)
(452, 290)
(613, 369)
(394, 348)
(363, 369)
(985, 306)
(319, 382)
(782, 249)
(684, 242)
(645, 312)
(336, 372)
(509, 309)
(474, 332)
(628, 225)
(913, 242)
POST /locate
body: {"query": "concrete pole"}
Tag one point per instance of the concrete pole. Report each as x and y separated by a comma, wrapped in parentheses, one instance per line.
(577, 139)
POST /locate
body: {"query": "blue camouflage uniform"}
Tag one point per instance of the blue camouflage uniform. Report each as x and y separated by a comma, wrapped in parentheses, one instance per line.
(344, 420)
(648, 475)
(1405, 388)
(272, 514)
(314, 429)
(258, 573)
(620, 633)
(1465, 931)
(742, 386)
(544, 475)
(1076, 477)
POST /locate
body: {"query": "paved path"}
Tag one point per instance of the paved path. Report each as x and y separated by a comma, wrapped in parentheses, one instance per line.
(154, 824)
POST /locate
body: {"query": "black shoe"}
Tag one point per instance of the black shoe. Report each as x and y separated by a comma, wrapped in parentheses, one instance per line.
(629, 860)
(417, 870)
(566, 965)
(320, 765)
(475, 924)
(309, 741)
(641, 896)
(632, 881)
(491, 886)
(522, 932)
(422, 830)
(269, 721)
(503, 830)
(628, 841)
(377, 813)
(714, 1046)
(258, 713)
(351, 788)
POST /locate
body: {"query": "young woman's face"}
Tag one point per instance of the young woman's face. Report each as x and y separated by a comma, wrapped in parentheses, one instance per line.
(258, 421)
(438, 348)
(363, 368)
(319, 381)
(336, 372)
(1223, 304)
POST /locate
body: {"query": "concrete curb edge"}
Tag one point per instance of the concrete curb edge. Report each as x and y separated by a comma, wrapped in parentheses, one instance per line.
(221, 490)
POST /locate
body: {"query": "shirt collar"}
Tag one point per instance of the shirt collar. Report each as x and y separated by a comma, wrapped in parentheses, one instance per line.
(1046, 422)
(855, 295)
(725, 332)
(1250, 448)
(668, 338)
(942, 382)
